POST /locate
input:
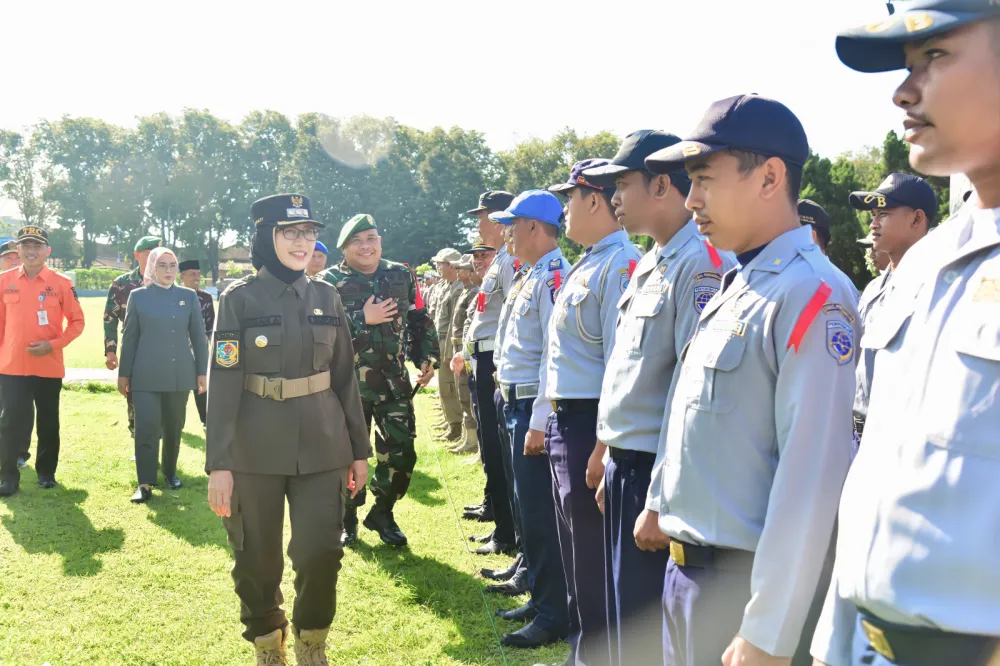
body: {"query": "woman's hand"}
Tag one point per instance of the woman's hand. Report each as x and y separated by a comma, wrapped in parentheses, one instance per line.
(123, 385)
(220, 492)
(202, 384)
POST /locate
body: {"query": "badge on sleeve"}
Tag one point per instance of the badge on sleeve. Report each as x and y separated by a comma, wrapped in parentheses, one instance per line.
(702, 295)
(227, 350)
(626, 275)
(840, 341)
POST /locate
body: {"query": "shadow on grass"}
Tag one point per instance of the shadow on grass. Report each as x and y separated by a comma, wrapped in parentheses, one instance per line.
(450, 594)
(185, 513)
(52, 522)
(194, 441)
(423, 489)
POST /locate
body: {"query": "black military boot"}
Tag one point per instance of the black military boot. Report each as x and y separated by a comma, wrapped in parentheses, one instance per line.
(381, 521)
(350, 535)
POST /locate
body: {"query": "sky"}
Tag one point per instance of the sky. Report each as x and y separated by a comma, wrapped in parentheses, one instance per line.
(515, 70)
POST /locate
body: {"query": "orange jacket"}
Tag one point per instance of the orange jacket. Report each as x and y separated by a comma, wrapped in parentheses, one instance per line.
(21, 324)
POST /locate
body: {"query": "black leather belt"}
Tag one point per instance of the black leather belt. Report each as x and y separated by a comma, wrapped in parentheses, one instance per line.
(564, 406)
(710, 557)
(632, 456)
(920, 646)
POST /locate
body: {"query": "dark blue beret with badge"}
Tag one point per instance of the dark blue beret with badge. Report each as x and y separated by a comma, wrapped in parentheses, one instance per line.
(283, 210)
(878, 46)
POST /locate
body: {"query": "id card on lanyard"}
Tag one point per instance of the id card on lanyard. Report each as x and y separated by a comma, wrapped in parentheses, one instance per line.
(43, 315)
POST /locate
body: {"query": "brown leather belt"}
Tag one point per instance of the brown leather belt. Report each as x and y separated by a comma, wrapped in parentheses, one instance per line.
(276, 388)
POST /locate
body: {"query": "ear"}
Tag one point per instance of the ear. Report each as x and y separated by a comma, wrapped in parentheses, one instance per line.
(593, 202)
(920, 216)
(659, 186)
(773, 174)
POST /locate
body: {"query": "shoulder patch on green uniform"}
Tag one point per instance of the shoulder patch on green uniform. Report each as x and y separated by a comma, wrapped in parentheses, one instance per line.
(227, 349)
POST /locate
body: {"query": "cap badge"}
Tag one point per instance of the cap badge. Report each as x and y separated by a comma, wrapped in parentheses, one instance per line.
(317, 311)
(872, 197)
(691, 151)
(297, 201)
(918, 22)
(261, 341)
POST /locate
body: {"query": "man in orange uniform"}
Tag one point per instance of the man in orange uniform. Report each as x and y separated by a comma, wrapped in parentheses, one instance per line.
(36, 301)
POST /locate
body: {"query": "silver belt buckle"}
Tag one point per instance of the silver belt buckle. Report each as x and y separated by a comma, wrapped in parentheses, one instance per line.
(272, 389)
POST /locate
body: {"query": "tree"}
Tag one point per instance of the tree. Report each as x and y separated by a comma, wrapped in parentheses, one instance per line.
(28, 180)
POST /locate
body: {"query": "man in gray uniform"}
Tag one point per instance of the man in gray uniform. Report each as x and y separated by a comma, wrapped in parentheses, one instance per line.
(534, 220)
(903, 210)
(754, 455)
(657, 315)
(916, 580)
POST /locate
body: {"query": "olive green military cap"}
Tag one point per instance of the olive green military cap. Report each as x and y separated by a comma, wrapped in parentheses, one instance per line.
(448, 255)
(358, 223)
(148, 243)
(465, 263)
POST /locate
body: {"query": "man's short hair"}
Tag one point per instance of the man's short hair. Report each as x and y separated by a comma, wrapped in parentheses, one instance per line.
(823, 235)
(750, 162)
(677, 179)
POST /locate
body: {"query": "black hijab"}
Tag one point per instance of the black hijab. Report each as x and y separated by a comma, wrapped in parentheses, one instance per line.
(263, 254)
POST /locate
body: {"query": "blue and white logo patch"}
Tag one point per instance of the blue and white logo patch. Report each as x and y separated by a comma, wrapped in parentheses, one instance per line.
(840, 341)
(297, 212)
(625, 279)
(702, 295)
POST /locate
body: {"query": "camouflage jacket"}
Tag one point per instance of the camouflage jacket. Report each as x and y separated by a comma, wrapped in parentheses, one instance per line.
(464, 307)
(114, 309)
(379, 350)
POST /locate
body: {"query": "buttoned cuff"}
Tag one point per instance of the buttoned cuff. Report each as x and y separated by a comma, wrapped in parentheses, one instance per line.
(653, 504)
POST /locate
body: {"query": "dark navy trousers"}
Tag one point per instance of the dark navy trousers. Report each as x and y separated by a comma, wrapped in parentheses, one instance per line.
(703, 610)
(569, 441)
(482, 388)
(634, 577)
(539, 540)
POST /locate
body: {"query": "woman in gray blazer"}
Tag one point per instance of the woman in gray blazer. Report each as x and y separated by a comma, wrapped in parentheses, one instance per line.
(163, 326)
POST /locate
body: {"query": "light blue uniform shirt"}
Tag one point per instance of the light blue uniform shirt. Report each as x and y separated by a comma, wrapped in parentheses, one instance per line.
(759, 431)
(919, 540)
(524, 338)
(496, 286)
(582, 329)
(868, 308)
(657, 315)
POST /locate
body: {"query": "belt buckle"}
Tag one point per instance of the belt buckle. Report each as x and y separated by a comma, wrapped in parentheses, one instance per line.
(555, 406)
(272, 389)
(677, 552)
(878, 640)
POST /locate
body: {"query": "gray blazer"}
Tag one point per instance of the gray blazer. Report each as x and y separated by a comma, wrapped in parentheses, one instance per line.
(162, 327)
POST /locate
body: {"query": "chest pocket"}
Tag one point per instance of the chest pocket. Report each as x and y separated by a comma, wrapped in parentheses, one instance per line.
(324, 331)
(10, 299)
(262, 347)
(646, 305)
(573, 316)
(706, 382)
(523, 305)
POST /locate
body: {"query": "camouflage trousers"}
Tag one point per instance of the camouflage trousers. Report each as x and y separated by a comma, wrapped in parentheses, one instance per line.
(395, 456)
(131, 413)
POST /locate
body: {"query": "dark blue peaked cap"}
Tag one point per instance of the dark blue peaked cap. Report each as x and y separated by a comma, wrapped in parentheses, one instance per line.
(878, 46)
(747, 123)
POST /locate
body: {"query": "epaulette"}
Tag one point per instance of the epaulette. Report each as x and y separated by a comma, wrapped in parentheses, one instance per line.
(242, 282)
(555, 264)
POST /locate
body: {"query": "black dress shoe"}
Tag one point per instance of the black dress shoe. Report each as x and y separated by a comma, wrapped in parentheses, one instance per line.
(525, 613)
(503, 574)
(8, 488)
(46, 482)
(174, 483)
(141, 495)
(516, 586)
(349, 536)
(385, 526)
(483, 516)
(494, 548)
(481, 538)
(472, 507)
(531, 636)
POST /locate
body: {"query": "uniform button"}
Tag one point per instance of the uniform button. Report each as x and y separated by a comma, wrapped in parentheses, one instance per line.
(950, 276)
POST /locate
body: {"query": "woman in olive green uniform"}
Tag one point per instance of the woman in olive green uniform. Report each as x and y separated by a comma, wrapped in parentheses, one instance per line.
(284, 420)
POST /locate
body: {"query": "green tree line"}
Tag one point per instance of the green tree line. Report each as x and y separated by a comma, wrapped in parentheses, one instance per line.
(191, 180)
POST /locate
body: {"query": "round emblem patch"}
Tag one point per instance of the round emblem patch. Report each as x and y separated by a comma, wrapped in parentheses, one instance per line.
(182, 303)
(317, 311)
(260, 341)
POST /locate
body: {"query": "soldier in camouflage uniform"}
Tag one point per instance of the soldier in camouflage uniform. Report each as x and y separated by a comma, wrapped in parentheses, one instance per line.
(114, 310)
(451, 426)
(460, 317)
(387, 317)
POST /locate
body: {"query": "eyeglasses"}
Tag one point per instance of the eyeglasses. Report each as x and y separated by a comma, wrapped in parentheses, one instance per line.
(292, 233)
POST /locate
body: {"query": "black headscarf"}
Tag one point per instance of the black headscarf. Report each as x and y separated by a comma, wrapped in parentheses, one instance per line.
(263, 254)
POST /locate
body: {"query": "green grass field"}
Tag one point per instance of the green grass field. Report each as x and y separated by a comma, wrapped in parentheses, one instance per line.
(88, 578)
(87, 351)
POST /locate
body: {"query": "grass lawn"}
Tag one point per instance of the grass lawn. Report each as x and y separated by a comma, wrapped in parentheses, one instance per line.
(88, 578)
(87, 351)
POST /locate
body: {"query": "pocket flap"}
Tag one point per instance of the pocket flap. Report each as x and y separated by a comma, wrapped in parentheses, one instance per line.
(648, 305)
(886, 326)
(982, 341)
(726, 358)
(577, 297)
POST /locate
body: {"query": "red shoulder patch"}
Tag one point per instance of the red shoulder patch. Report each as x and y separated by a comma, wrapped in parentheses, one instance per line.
(713, 255)
(808, 314)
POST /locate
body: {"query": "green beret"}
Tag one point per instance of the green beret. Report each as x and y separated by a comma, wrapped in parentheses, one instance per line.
(147, 243)
(358, 223)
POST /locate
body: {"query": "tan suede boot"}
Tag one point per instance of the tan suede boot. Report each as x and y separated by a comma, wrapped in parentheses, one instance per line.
(310, 647)
(270, 649)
